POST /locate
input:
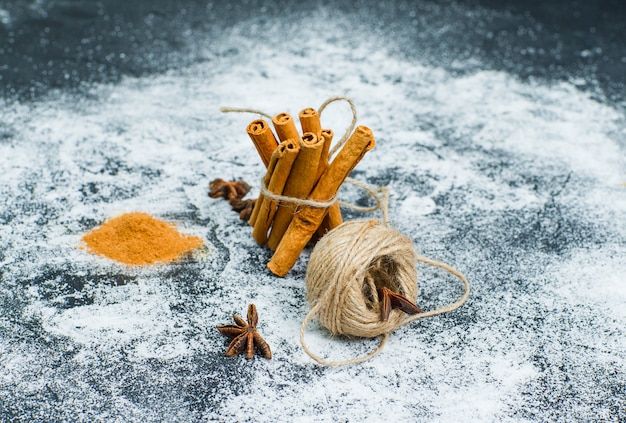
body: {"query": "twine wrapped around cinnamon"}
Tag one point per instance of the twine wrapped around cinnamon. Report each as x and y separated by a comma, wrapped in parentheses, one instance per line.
(309, 219)
(297, 200)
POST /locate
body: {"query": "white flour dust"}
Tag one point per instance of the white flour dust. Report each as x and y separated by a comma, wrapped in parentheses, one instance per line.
(485, 171)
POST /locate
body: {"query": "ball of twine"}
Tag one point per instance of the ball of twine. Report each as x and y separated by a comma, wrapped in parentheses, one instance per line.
(347, 267)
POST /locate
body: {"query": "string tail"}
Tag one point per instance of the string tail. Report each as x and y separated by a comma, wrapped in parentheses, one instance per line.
(379, 194)
(227, 109)
(325, 362)
(452, 271)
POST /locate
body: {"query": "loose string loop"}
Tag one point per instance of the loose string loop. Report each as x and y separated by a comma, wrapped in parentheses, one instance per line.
(350, 128)
(337, 145)
(452, 306)
(315, 309)
(312, 313)
(379, 194)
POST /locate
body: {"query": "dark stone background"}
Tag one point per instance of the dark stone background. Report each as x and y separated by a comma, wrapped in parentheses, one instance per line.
(66, 44)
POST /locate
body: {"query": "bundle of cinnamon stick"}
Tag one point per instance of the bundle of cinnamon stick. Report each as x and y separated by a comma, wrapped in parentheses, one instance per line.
(299, 172)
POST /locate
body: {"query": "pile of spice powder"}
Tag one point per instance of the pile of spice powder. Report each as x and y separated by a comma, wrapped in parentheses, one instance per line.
(138, 238)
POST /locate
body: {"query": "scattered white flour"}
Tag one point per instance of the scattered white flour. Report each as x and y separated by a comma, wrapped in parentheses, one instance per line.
(486, 172)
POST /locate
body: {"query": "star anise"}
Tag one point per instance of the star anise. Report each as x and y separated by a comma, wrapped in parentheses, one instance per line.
(245, 336)
(390, 300)
(379, 279)
(230, 190)
(244, 207)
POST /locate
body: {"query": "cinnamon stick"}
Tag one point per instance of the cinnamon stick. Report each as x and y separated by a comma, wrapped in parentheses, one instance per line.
(287, 152)
(310, 121)
(299, 185)
(263, 138)
(285, 127)
(333, 218)
(328, 138)
(278, 152)
(306, 222)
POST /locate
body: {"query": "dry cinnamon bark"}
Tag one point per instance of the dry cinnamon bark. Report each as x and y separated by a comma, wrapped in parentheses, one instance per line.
(266, 181)
(263, 138)
(285, 127)
(310, 121)
(328, 138)
(286, 154)
(307, 221)
(333, 218)
(301, 181)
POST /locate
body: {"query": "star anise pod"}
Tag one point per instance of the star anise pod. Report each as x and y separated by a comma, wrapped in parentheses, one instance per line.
(378, 279)
(244, 207)
(245, 336)
(390, 300)
(229, 190)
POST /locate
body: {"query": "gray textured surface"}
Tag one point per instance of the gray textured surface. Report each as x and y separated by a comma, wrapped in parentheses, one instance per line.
(516, 181)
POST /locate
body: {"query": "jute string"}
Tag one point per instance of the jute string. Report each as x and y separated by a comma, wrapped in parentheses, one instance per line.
(245, 110)
(341, 284)
(373, 192)
(378, 194)
(352, 261)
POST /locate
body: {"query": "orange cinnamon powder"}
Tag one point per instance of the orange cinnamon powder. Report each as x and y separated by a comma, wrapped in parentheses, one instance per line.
(138, 238)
